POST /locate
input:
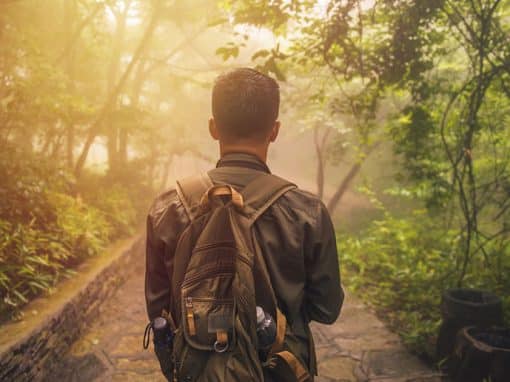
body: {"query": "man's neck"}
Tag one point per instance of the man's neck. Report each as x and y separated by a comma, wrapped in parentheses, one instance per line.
(260, 151)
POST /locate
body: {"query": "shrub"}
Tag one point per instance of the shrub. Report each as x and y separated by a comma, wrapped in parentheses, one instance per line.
(83, 229)
(44, 231)
(123, 196)
(33, 260)
(401, 266)
(115, 203)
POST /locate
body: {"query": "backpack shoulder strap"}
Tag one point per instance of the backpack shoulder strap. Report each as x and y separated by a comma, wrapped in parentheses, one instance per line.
(262, 192)
(190, 191)
(258, 196)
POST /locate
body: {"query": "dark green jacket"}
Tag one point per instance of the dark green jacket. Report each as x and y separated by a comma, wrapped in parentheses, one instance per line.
(296, 236)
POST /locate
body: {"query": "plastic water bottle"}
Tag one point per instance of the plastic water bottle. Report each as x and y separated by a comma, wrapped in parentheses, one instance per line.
(162, 333)
(266, 330)
(163, 340)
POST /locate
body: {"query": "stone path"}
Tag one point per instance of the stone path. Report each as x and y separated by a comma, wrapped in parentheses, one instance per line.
(356, 348)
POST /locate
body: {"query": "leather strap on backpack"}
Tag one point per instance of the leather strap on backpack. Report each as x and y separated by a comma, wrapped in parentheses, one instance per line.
(301, 374)
(277, 352)
(281, 325)
(191, 190)
(262, 192)
(258, 196)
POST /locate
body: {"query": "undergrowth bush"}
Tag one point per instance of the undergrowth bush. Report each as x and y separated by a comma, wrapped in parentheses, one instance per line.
(123, 196)
(402, 265)
(84, 229)
(32, 261)
(118, 210)
(48, 225)
(34, 258)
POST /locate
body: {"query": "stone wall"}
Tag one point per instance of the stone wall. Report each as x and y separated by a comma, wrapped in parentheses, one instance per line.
(34, 355)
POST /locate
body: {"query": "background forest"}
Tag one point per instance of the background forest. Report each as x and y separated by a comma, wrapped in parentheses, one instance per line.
(396, 112)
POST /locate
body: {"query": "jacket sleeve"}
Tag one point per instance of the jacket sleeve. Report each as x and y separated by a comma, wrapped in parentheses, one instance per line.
(165, 222)
(157, 282)
(323, 293)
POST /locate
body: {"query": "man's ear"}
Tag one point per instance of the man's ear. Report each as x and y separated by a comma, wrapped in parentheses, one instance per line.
(274, 132)
(213, 130)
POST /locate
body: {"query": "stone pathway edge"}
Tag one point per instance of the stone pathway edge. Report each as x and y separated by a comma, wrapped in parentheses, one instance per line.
(30, 348)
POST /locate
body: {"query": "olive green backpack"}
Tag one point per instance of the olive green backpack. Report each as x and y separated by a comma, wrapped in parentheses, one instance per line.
(219, 278)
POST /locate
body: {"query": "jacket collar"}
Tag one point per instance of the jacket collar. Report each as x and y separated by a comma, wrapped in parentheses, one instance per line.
(243, 160)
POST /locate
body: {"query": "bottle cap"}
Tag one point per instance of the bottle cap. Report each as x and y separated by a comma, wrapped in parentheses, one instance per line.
(260, 315)
(159, 323)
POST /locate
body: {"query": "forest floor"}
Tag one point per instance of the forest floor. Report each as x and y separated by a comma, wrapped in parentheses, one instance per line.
(358, 347)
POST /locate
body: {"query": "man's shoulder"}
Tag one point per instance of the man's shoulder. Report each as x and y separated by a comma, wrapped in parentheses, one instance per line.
(164, 202)
(303, 200)
(303, 196)
(296, 198)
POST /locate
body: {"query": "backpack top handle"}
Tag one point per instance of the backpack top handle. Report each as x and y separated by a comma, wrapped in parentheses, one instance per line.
(222, 190)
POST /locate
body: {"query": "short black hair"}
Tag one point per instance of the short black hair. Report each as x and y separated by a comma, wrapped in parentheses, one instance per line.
(245, 103)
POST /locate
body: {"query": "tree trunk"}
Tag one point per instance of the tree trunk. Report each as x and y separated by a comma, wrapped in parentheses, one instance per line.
(320, 163)
(112, 130)
(320, 148)
(70, 144)
(343, 187)
(74, 36)
(112, 98)
(122, 157)
(347, 180)
(70, 15)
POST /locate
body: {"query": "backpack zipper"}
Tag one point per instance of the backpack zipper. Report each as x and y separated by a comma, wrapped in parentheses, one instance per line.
(190, 316)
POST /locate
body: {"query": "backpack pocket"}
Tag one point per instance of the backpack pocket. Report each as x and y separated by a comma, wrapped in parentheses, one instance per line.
(207, 303)
(208, 323)
(189, 362)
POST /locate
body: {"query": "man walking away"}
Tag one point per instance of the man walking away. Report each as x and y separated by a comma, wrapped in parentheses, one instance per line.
(239, 261)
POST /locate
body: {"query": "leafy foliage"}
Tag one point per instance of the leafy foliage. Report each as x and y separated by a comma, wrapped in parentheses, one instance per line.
(432, 78)
(43, 231)
(401, 266)
(79, 79)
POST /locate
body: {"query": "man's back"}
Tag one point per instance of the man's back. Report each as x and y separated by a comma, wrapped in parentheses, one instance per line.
(295, 236)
